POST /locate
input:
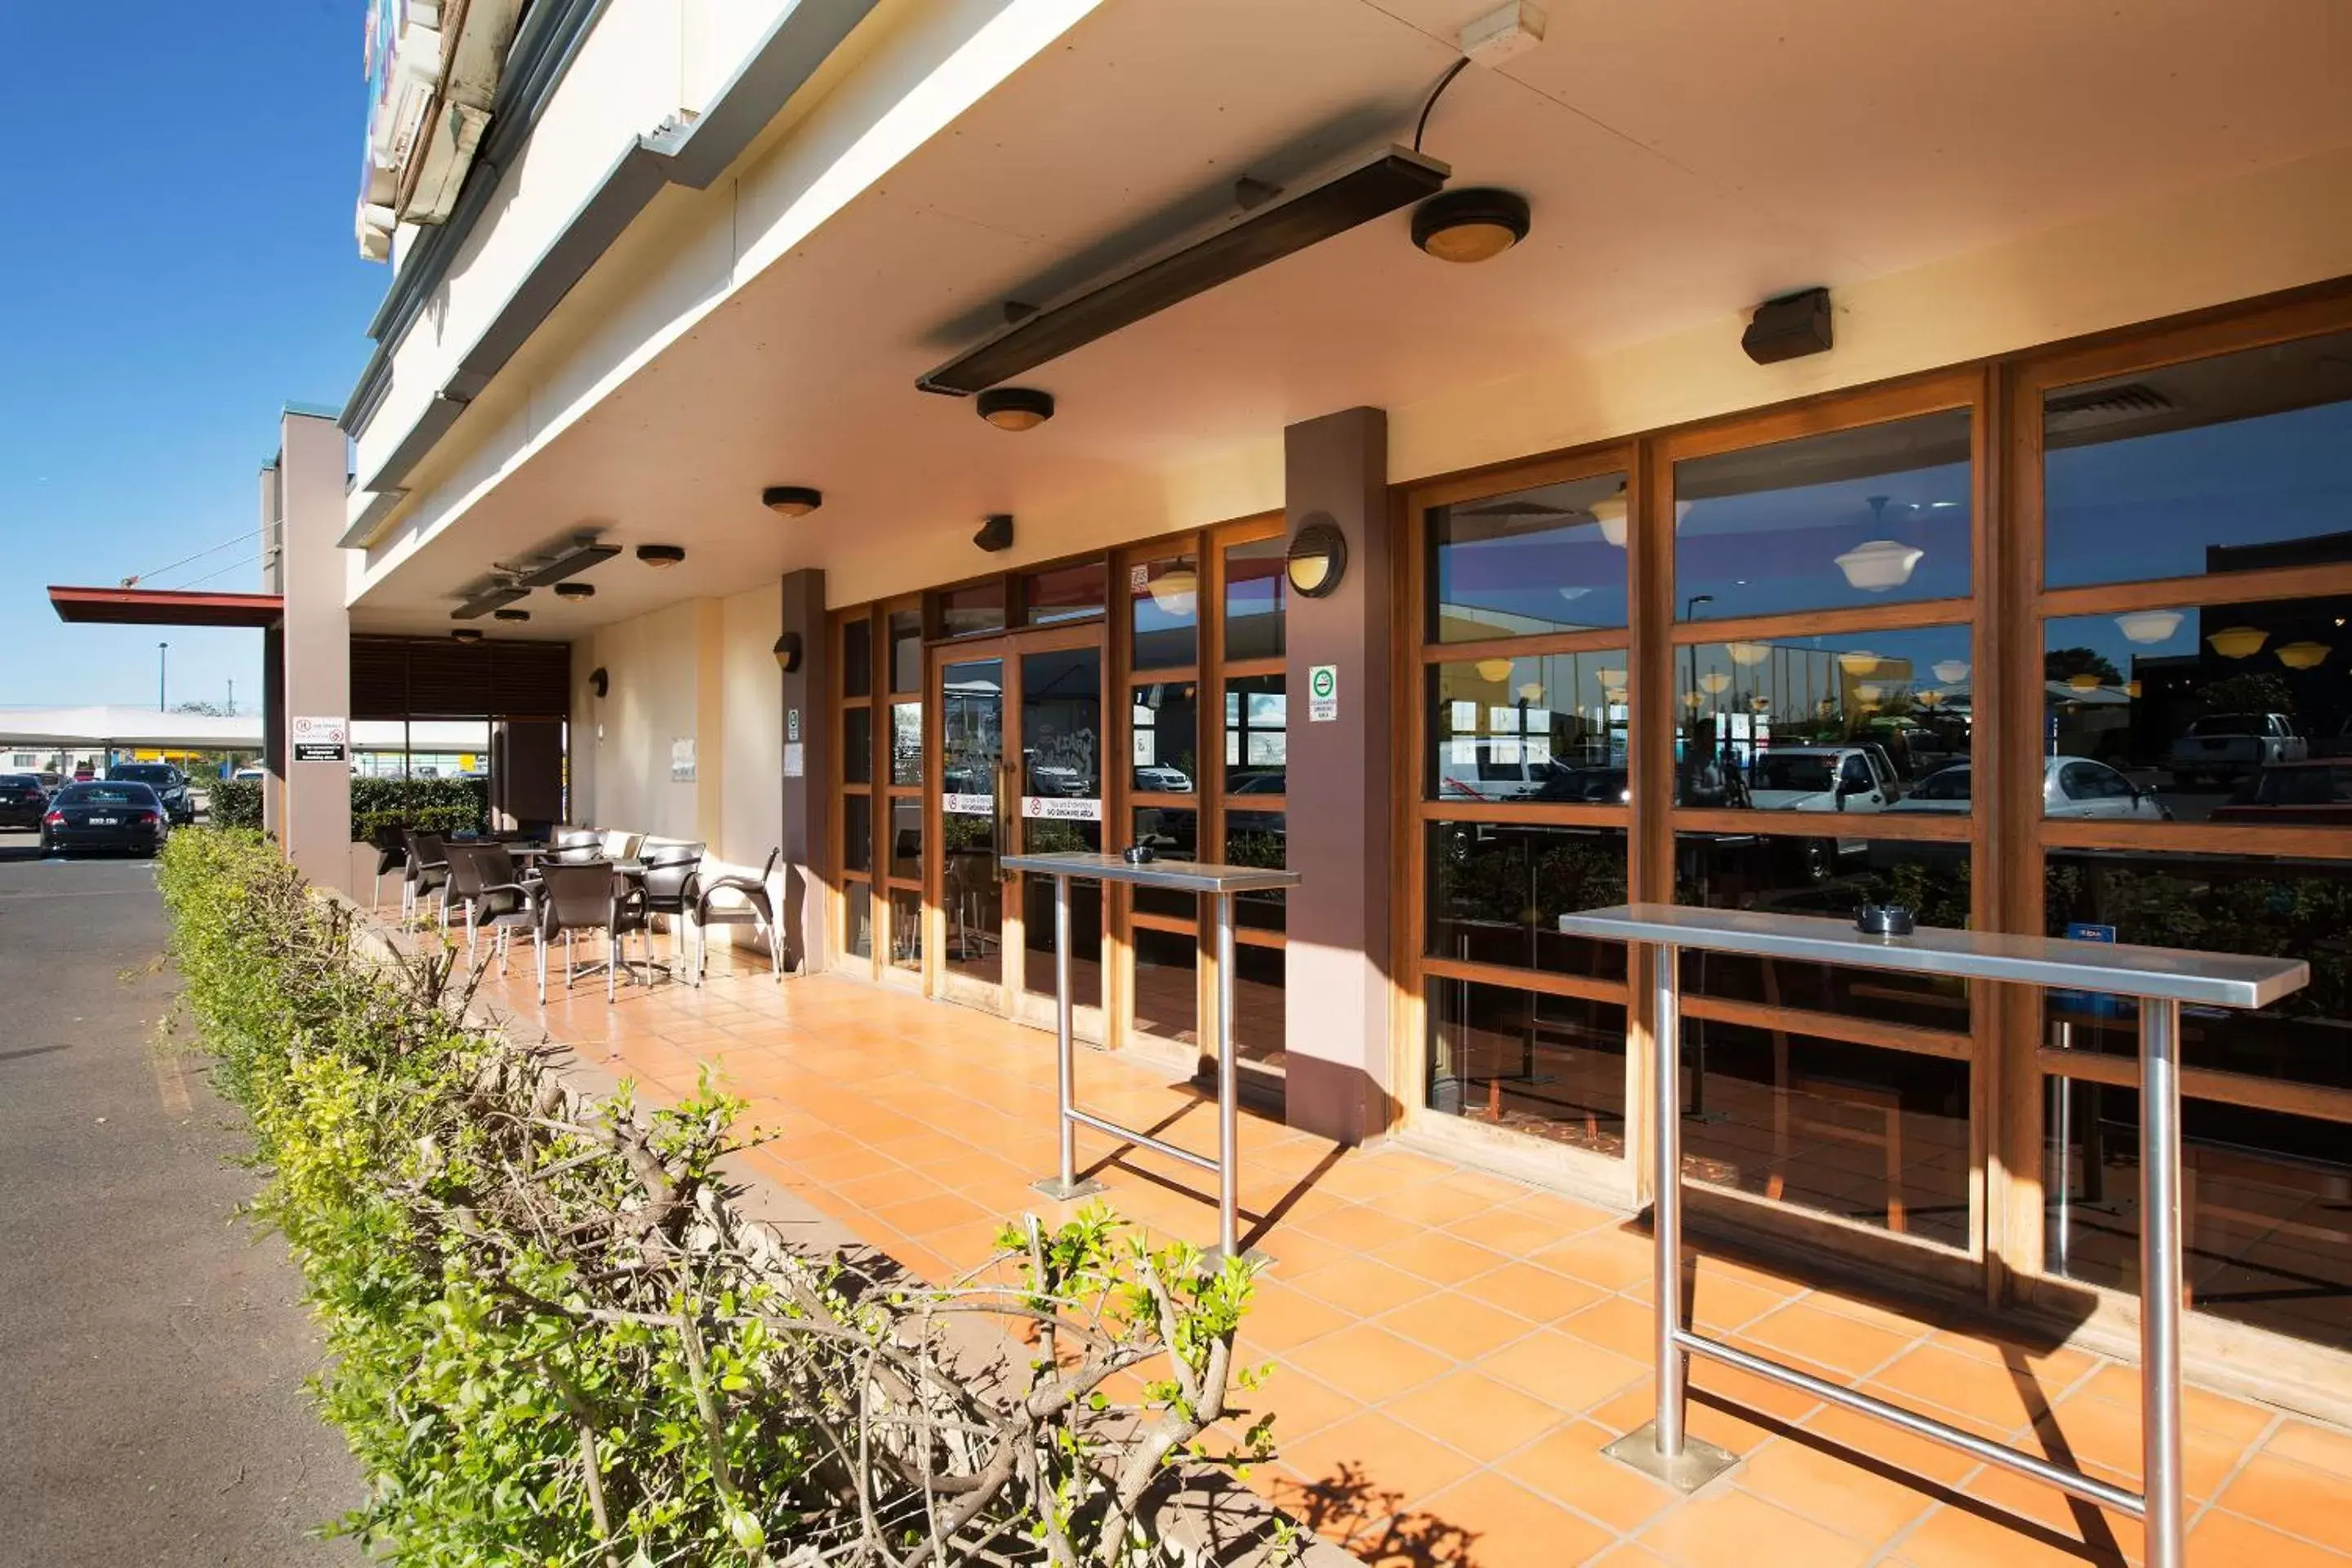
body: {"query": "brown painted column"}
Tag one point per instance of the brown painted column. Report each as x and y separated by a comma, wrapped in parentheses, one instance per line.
(316, 825)
(806, 768)
(1336, 1017)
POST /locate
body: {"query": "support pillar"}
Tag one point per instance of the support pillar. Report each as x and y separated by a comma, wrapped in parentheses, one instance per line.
(806, 766)
(313, 666)
(1336, 1028)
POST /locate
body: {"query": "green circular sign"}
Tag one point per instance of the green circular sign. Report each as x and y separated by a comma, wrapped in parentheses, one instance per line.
(1325, 680)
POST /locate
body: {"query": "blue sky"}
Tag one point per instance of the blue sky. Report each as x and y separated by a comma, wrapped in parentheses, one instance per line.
(179, 263)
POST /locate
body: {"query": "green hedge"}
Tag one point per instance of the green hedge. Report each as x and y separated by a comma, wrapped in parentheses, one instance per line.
(427, 805)
(549, 1342)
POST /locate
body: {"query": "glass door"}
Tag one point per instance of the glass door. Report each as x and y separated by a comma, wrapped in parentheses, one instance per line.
(972, 829)
(1058, 728)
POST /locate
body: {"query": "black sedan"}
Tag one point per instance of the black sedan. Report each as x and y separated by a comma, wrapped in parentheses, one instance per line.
(22, 801)
(110, 816)
(170, 785)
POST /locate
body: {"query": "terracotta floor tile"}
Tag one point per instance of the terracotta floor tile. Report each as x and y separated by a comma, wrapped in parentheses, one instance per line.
(1565, 1215)
(1368, 1362)
(1567, 1466)
(1830, 1490)
(2058, 1367)
(1439, 1257)
(924, 1216)
(2321, 1447)
(1391, 1465)
(2201, 1408)
(1296, 1252)
(1992, 1393)
(2225, 1540)
(1720, 1302)
(2084, 1527)
(1513, 1527)
(1475, 1414)
(1956, 1537)
(1610, 1257)
(1897, 1449)
(1536, 1294)
(1359, 1176)
(1456, 1325)
(1363, 1286)
(1434, 1202)
(1733, 1529)
(2104, 1438)
(1359, 1226)
(1280, 1318)
(1300, 1403)
(1616, 1324)
(2295, 1499)
(1510, 1231)
(1824, 1339)
(1753, 1396)
(1568, 1374)
(895, 1187)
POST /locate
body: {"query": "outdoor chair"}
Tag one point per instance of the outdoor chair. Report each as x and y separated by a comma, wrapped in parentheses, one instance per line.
(391, 846)
(591, 897)
(482, 879)
(620, 846)
(428, 872)
(669, 883)
(735, 895)
(579, 846)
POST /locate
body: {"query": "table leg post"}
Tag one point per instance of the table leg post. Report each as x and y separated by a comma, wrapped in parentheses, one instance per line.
(1228, 1088)
(1067, 1185)
(2161, 1279)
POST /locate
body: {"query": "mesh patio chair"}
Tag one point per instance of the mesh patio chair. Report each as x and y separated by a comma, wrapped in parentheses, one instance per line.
(736, 896)
(428, 873)
(669, 884)
(482, 879)
(578, 846)
(391, 844)
(591, 897)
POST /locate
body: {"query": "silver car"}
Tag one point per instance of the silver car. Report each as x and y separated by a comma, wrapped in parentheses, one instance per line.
(2071, 786)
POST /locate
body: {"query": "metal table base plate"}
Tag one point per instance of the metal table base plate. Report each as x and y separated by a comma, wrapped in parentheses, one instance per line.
(1699, 1462)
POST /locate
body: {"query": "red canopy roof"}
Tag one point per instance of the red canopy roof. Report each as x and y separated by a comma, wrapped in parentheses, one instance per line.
(165, 607)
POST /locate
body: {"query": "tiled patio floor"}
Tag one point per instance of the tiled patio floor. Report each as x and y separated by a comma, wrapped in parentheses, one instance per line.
(1454, 1349)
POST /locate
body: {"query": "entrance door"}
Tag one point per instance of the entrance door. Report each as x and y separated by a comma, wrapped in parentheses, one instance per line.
(1021, 743)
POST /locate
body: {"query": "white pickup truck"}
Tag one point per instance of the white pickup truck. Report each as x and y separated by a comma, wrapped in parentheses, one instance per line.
(2226, 747)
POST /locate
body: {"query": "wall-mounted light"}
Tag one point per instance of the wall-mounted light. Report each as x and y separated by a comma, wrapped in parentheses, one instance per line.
(2304, 654)
(2149, 626)
(661, 557)
(598, 682)
(1318, 560)
(1789, 327)
(1880, 565)
(790, 501)
(466, 634)
(2239, 642)
(575, 591)
(1476, 224)
(511, 614)
(1016, 407)
(996, 534)
(788, 652)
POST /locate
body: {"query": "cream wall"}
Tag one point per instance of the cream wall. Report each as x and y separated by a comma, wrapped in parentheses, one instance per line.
(751, 741)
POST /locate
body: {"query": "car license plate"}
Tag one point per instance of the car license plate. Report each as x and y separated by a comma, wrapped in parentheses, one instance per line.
(101, 821)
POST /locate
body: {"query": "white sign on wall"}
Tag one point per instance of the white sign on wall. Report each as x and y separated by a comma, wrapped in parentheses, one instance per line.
(795, 762)
(968, 805)
(682, 760)
(1322, 694)
(1060, 808)
(318, 740)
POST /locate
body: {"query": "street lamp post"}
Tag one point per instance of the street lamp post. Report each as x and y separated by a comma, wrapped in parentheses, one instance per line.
(163, 664)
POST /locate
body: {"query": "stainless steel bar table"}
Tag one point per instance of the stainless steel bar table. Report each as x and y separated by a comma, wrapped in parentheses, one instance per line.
(2160, 978)
(1219, 883)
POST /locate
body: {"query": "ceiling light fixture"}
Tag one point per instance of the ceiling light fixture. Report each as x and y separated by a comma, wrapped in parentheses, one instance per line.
(1318, 559)
(1789, 327)
(2149, 626)
(1860, 661)
(1177, 591)
(1494, 671)
(2239, 642)
(996, 534)
(660, 557)
(1881, 565)
(1531, 692)
(2084, 681)
(1469, 226)
(1749, 655)
(1016, 407)
(2304, 654)
(1868, 693)
(1258, 237)
(575, 591)
(790, 501)
(1611, 680)
(511, 614)
(466, 634)
(494, 597)
(1609, 512)
(1952, 671)
(1715, 683)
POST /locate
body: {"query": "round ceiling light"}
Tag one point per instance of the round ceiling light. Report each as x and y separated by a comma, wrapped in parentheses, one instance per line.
(466, 634)
(1494, 671)
(660, 556)
(575, 590)
(1468, 225)
(1177, 590)
(790, 501)
(1016, 407)
(2239, 642)
(1715, 683)
(2304, 655)
(1749, 655)
(511, 614)
(1951, 671)
(2149, 626)
(1879, 565)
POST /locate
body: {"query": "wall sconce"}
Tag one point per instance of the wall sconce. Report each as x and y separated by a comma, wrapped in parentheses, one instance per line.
(1016, 407)
(1318, 560)
(996, 534)
(2149, 626)
(661, 557)
(790, 501)
(2239, 642)
(1952, 671)
(1879, 565)
(2304, 654)
(788, 652)
(598, 682)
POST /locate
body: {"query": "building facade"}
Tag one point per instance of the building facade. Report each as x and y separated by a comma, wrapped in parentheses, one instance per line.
(2019, 597)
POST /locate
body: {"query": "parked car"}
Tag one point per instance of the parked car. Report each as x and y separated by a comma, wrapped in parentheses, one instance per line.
(2071, 786)
(249, 775)
(22, 801)
(170, 785)
(1596, 786)
(2224, 747)
(2315, 794)
(1823, 778)
(1161, 779)
(105, 815)
(51, 782)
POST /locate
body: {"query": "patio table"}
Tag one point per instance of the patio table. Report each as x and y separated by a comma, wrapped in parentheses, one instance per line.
(1219, 883)
(2160, 978)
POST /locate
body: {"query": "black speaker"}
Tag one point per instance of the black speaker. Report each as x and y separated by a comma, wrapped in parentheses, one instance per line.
(996, 534)
(1791, 327)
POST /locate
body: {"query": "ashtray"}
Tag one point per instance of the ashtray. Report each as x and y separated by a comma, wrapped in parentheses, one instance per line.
(1884, 920)
(1138, 854)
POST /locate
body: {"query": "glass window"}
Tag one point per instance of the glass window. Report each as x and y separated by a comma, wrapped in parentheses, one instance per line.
(1164, 726)
(1257, 839)
(1545, 560)
(1548, 727)
(2231, 714)
(1066, 593)
(1551, 1066)
(2263, 1208)
(906, 928)
(907, 837)
(1848, 722)
(906, 650)
(1257, 736)
(1787, 874)
(1165, 611)
(978, 607)
(2227, 464)
(1872, 1135)
(857, 914)
(1873, 516)
(905, 742)
(857, 834)
(1257, 593)
(857, 745)
(1258, 982)
(1167, 986)
(857, 656)
(1496, 891)
(1173, 834)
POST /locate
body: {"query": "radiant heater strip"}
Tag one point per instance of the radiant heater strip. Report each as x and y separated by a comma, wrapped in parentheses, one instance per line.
(570, 564)
(1397, 178)
(482, 604)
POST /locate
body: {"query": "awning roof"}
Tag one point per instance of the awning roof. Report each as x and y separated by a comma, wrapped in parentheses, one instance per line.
(136, 726)
(165, 607)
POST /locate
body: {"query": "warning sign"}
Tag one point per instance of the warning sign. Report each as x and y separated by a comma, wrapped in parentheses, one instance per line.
(318, 740)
